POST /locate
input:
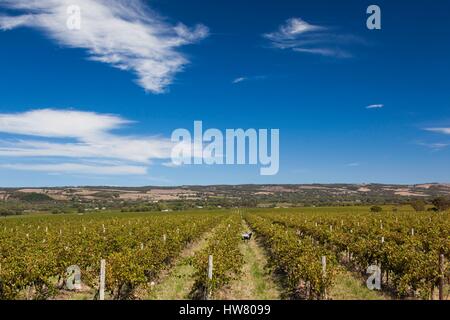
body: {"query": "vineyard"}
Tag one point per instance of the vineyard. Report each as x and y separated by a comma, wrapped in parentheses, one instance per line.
(124, 255)
(408, 248)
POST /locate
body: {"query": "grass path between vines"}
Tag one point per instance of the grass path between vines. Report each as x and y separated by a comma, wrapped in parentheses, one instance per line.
(349, 287)
(176, 283)
(256, 282)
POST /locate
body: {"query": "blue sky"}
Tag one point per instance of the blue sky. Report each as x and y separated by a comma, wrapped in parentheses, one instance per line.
(70, 116)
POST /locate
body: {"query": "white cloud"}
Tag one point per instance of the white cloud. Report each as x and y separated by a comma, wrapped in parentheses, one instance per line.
(77, 135)
(292, 28)
(76, 168)
(375, 106)
(240, 79)
(325, 52)
(124, 34)
(59, 123)
(106, 147)
(9, 23)
(248, 78)
(439, 130)
(300, 36)
(434, 146)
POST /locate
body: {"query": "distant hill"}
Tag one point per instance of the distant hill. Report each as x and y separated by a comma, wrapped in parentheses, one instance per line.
(292, 193)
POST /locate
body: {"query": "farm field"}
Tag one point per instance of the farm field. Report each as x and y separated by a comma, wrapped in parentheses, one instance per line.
(297, 253)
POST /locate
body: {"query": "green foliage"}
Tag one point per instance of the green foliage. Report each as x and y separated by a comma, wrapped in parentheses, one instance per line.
(37, 250)
(441, 203)
(31, 197)
(409, 258)
(299, 257)
(376, 209)
(227, 259)
(419, 205)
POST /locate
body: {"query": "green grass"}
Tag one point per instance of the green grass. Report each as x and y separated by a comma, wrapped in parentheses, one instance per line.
(256, 282)
(177, 285)
(347, 287)
(178, 282)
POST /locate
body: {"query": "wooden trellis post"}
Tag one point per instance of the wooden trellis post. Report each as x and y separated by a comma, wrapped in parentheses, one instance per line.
(324, 273)
(102, 279)
(210, 276)
(441, 276)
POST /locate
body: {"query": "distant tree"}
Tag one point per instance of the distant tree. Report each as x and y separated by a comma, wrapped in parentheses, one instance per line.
(376, 209)
(418, 205)
(31, 197)
(441, 203)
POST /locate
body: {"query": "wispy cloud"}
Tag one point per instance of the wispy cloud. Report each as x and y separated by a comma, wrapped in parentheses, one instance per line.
(303, 37)
(240, 79)
(248, 78)
(292, 28)
(77, 136)
(59, 123)
(375, 106)
(434, 146)
(76, 168)
(124, 34)
(325, 52)
(439, 130)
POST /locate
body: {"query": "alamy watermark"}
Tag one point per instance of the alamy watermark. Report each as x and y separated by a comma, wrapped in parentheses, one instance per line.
(374, 20)
(74, 17)
(233, 147)
(374, 280)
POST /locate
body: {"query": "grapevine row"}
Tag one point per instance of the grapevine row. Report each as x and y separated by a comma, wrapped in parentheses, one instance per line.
(36, 252)
(300, 259)
(227, 260)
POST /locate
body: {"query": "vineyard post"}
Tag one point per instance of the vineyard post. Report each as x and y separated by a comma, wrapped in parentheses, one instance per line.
(324, 273)
(210, 275)
(441, 276)
(381, 272)
(102, 279)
